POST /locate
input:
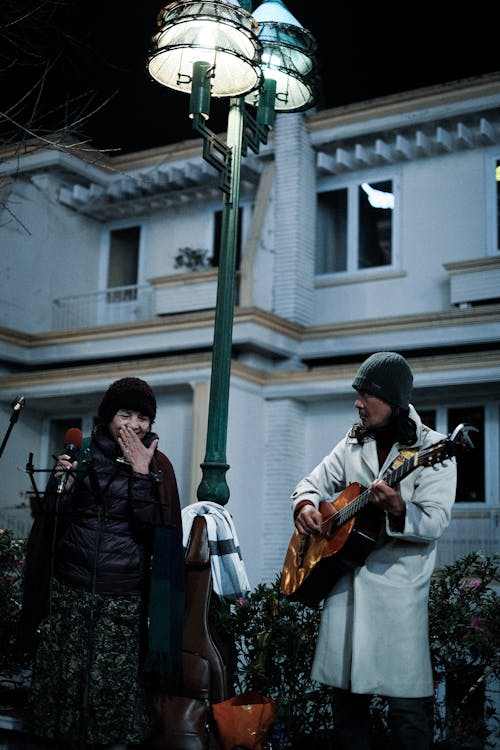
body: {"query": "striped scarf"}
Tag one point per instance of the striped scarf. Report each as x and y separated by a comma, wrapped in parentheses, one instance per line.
(229, 576)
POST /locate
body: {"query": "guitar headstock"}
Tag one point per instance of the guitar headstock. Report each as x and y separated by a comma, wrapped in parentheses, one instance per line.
(461, 437)
(458, 442)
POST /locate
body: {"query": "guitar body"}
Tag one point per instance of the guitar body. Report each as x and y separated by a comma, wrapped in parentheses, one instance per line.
(313, 563)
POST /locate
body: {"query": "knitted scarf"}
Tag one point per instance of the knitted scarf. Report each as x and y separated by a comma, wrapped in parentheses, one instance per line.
(163, 661)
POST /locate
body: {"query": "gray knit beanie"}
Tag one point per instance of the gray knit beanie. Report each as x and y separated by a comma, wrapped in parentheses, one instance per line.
(128, 393)
(386, 375)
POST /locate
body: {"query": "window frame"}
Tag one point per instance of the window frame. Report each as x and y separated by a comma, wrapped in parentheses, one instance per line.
(352, 183)
(492, 192)
(214, 253)
(491, 457)
(106, 248)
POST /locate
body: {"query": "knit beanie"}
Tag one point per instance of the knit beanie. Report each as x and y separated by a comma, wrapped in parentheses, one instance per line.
(127, 393)
(386, 375)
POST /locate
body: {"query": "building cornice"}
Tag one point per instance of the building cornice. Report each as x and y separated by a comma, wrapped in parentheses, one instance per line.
(469, 316)
(92, 372)
(203, 318)
(461, 96)
(254, 330)
(411, 125)
(472, 266)
(176, 371)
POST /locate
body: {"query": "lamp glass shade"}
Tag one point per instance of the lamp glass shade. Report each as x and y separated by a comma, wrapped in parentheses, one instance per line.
(219, 33)
(288, 56)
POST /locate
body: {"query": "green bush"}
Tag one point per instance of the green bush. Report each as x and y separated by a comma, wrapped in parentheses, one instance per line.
(464, 625)
(12, 553)
(274, 642)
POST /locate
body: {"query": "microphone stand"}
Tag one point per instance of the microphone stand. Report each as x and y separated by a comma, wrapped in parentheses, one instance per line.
(17, 405)
(30, 470)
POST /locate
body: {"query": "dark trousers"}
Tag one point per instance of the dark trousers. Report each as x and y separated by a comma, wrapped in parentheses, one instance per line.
(410, 722)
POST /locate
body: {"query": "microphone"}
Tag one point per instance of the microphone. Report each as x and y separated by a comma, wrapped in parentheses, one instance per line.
(16, 407)
(72, 443)
(18, 403)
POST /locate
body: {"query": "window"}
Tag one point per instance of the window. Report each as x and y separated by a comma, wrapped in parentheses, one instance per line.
(331, 239)
(217, 238)
(123, 264)
(376, 203)
(470, 465)
(354, 227)
(497, 176)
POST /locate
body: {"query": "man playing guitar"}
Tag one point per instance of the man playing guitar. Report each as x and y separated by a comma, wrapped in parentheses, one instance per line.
(373, 637)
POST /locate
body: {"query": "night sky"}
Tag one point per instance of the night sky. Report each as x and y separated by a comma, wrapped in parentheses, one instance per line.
(365, 51)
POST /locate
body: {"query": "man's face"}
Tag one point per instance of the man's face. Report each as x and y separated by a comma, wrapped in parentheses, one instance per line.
(373, 411)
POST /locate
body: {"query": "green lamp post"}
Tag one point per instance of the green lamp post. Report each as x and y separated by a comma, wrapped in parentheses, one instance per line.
(210, 48)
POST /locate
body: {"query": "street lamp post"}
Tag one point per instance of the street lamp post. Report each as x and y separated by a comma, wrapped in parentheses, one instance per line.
(213, 48)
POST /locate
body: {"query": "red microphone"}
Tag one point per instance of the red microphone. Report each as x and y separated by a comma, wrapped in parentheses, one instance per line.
(72, 443)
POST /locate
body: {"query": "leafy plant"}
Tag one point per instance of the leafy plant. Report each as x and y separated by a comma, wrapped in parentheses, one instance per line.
(274, 640)
(12, 554)
(464, 624)
(273, 645)
(192, 258)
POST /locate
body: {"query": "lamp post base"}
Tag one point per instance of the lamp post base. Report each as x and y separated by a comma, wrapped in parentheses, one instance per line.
(213, 487)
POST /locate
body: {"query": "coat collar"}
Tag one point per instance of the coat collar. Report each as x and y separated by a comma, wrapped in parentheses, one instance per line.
(369, 449)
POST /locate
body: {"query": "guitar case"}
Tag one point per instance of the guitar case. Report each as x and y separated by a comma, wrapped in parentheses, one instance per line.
(185, 720)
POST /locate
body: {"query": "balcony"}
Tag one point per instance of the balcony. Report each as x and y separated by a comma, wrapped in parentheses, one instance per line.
(474, 282)
(120, 304)
(165, 295)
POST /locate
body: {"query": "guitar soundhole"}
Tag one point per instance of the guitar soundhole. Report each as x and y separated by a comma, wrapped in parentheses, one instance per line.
(364, 534)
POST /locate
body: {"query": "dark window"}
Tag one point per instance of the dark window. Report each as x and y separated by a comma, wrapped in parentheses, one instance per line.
(217, 248)
(376, 203)
(123, 263)
(497, 177)
(331, 238)
(218, 238)
(470, 464)
(428, 418)
(354, 227)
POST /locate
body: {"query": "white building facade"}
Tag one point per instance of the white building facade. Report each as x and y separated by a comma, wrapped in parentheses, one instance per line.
(364, 228)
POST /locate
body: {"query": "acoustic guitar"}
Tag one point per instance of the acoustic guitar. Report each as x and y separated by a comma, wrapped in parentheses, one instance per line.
(350, 526)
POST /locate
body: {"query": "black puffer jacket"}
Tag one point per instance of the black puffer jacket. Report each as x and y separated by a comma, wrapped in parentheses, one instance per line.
(104, 532)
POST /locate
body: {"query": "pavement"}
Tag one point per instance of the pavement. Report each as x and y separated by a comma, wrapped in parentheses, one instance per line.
(13, 733)
(13, 736)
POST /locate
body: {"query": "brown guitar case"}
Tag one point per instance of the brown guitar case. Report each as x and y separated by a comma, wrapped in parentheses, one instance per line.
(186, 721)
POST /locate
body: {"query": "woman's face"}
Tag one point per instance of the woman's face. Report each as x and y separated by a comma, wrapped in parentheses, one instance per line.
(134, 419)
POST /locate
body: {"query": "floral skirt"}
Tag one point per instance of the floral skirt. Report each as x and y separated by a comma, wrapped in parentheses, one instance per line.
(85, 683)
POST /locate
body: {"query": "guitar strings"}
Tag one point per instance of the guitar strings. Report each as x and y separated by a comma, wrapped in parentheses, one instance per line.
(391, 477)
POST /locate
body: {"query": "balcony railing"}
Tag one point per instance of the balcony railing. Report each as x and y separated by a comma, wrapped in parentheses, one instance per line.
(470, 530)
(119, 304)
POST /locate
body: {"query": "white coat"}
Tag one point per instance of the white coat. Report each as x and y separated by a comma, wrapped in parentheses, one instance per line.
(373, 635)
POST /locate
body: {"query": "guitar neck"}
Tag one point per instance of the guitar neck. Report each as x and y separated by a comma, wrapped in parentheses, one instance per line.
(390, 477)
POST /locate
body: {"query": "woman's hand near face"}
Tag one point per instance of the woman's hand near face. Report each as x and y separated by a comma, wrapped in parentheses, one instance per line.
(134, 450)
